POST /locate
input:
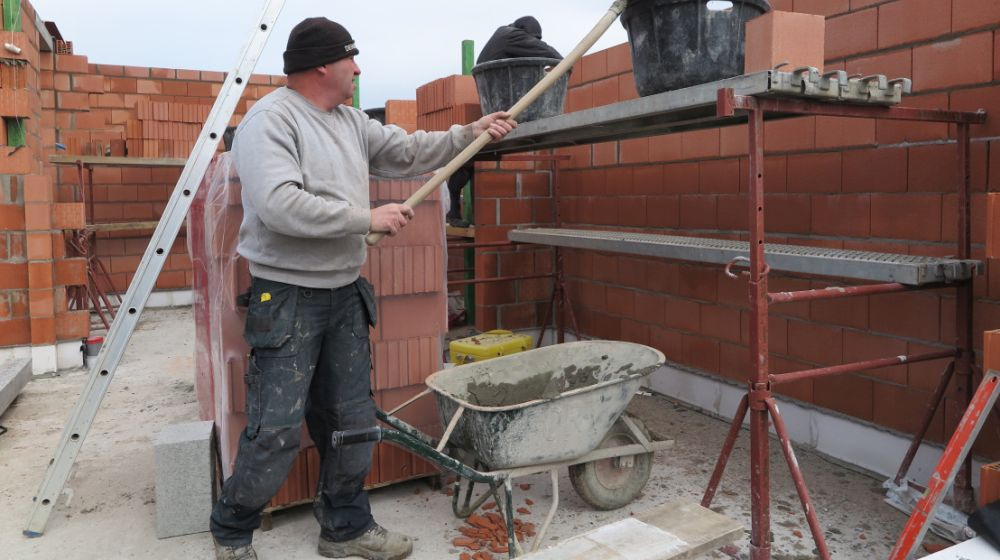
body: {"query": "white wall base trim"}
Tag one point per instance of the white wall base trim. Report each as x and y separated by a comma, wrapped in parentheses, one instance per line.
(170, 298)
(167, 298)
(44, 359)
(69, 355)
(855, 442)
(47, 358)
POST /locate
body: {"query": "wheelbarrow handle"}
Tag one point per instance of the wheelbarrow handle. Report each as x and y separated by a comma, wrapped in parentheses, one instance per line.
(353, 437)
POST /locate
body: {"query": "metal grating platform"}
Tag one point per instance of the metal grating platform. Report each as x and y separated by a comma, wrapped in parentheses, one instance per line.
(861, 265)
(694, 108)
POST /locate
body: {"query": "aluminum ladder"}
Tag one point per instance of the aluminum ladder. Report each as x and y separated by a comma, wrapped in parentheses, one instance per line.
(103, 370)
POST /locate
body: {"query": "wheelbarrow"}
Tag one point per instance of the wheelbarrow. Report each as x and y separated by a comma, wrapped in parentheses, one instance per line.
(535, 412)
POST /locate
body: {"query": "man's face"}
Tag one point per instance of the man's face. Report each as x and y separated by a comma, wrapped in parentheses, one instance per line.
(340, 77)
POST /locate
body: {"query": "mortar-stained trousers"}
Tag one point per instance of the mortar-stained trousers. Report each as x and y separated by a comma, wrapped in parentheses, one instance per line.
(310, 359)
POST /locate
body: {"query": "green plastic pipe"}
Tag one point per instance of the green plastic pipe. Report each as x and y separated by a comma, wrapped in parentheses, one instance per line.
(468, 56)
(468, 59)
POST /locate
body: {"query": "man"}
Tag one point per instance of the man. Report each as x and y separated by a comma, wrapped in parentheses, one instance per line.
(304, 160)
(521, 39)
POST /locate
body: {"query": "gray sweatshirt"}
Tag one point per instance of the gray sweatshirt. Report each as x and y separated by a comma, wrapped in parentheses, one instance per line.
(305, 172)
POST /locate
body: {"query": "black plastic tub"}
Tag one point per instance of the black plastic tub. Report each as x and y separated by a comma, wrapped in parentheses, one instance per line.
(377, 113)
(681, 43)
(501, 83)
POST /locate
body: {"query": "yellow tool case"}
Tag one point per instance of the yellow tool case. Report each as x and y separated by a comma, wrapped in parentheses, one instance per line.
(489, 344)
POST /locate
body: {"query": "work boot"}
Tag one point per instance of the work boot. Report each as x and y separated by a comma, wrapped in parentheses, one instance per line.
(375, 544)
(241, 552)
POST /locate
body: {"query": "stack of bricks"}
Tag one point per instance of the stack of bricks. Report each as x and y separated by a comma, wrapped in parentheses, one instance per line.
(221, 354)
(447, 101)
(35, 270)
(408, 273)
(166, 129)
(402, 113)
(829, 182)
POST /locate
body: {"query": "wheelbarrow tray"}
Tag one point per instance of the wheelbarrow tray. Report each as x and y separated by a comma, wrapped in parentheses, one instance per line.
(550, 404)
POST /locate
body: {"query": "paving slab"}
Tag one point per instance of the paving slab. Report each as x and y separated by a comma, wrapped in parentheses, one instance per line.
(14, 375)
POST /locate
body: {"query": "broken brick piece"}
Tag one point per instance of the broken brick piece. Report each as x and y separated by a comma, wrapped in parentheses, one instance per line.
(465, 543)
(479, 521)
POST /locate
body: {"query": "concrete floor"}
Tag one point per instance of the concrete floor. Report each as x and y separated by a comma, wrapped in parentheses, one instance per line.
(110, 512)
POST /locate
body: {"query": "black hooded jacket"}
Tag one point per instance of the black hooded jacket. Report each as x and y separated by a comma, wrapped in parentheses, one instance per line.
(521, 39)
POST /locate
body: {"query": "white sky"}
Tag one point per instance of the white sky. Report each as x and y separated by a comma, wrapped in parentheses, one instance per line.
(403, 43)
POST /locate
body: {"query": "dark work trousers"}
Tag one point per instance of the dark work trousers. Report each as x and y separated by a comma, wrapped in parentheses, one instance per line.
(456, 183)
(310, 359)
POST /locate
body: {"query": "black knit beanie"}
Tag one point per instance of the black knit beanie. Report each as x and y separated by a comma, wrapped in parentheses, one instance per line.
(315, 42)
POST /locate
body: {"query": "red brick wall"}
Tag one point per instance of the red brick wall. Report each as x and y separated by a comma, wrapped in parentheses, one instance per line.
(158, 112)
(508, 194)
(505, 194)
(35, 271)
(831, 182)
(88, 108)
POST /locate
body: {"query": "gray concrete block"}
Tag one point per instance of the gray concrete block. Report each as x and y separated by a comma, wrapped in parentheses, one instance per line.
(185, 479)
(14, 375)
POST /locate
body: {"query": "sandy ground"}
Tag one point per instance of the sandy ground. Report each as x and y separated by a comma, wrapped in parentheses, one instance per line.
(110, 510)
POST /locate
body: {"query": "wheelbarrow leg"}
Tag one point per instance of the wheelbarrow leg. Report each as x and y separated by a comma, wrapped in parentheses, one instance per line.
(470, 506)
(552, 511)
(456, 496)
(513, 547)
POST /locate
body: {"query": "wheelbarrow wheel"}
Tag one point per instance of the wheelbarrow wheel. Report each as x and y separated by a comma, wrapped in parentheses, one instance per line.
(612, 483)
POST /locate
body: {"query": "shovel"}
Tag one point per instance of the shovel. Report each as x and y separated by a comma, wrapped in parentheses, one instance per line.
(472, 149)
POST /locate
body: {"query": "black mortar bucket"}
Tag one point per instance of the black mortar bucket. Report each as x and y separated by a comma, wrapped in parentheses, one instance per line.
(502, 83)
(681, 43)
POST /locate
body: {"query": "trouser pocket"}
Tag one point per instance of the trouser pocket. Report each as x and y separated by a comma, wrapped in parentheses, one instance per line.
(271, 319)
(367, 314)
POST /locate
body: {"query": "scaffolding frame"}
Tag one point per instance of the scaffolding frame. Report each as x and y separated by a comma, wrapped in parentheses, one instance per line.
(99, 291)
(759, 402)
(749, 99)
